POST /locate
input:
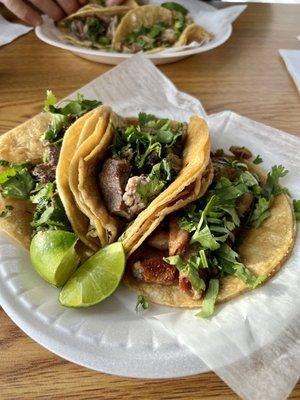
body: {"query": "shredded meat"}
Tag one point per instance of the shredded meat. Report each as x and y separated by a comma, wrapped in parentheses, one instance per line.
(178, 238)
(131, 197)
(221, 170)
(155, 270)
(244, 203)
(169, 36)
(113, 178)
(112, 27)
(185, 286)
(159, 240)
(241, 152)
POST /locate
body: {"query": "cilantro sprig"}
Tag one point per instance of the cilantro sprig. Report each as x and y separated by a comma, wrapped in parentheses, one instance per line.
(63, 117)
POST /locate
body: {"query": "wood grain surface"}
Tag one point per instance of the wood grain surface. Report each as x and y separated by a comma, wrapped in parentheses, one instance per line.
(245, 75)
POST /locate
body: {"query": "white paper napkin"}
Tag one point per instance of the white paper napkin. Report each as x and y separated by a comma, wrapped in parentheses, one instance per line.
(10, 31)
(253, 342)
(292, 62)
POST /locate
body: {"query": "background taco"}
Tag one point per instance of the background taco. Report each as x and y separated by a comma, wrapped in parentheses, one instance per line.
(152, 28)
(92, 25)
(32, 198)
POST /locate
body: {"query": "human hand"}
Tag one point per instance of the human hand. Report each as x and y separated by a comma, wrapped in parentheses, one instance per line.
(55, 9)
(110, 3)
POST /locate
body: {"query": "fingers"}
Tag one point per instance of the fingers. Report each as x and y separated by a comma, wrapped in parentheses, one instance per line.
(69, 6)
(23, 11)
(50, 8)
(114, 2)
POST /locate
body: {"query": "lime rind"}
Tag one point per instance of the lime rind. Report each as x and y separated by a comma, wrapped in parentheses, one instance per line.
(53, 255)
(96, 279)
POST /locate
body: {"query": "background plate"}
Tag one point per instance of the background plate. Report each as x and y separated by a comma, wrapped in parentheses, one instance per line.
(213, 20)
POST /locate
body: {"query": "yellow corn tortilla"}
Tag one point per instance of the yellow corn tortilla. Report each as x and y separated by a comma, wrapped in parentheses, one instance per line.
(104, 224)
(193, 33)
(186, 187)
(90, 10)
(79, 221)
(149, 15)
(22, 144)
(263, 251)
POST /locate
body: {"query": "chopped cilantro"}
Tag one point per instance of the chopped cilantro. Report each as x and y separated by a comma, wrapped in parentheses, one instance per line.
(141, 303)
(296, 204)
(6, 212)
(175, 7)
(257, 160)
(210, 298)
(16, 181)
(63, 117)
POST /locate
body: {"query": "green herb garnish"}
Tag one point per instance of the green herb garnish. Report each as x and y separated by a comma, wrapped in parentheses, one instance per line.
(141, 303)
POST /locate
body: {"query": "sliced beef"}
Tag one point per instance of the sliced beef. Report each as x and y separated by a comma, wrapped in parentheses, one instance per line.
(221, 169)
(113, 178)
(178, 238)
(159, 240)
(244, 203)
(241, 152)
(155, 270)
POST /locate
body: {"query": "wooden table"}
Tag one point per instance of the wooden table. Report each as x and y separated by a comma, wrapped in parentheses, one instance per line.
(245, 75)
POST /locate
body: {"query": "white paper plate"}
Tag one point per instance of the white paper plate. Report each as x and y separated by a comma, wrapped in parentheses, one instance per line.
(216, 21)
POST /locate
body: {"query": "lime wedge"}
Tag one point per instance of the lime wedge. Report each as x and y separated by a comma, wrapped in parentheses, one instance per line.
(53, 255)
(96, 279)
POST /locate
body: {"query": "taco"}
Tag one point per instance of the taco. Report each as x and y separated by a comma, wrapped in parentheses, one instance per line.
(152, 28)
(92, 25)
(32, 198)
(237, 235)
(132, 172)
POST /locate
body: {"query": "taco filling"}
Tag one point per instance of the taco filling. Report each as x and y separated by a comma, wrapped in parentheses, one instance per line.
(37, 182)
(142, 161)
(193, 249)
(99, 30)
(161, 34)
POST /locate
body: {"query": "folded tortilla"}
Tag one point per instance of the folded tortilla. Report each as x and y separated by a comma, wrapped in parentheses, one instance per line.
(149, 15)
(84, 182)
(263, 251)
(91, 10)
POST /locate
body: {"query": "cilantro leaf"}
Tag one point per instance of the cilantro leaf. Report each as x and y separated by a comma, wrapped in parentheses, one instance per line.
(228, 261)
(261, 212)
(296, 204)
(16, 181)
(63, 117)
(210, 298)
(257, 160)
(50, 213)
(272, 187)
(175, 7)
(6, 212)
(141, 303)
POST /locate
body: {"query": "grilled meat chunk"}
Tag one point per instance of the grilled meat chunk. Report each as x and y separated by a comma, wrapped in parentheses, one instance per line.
(155, 270)
(131, 196)
(244, 203)
(178, 238)
(241, 152)
(113, 178)
(159, 240)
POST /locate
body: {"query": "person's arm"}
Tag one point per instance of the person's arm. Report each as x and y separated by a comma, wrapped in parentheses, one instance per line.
(55, 9)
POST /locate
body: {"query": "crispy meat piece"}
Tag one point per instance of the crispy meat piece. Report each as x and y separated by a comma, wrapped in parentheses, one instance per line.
(244, 203)
(155, 270)
(159, 240)
(113, 178)
(223, 170)
(241, 152)
(178, 238)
